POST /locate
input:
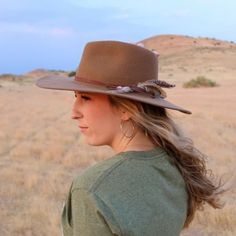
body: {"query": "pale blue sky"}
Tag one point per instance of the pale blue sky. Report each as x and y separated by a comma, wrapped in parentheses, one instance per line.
(51, 34)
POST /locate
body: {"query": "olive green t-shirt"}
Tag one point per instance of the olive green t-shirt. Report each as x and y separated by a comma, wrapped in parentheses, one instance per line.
(134, 193)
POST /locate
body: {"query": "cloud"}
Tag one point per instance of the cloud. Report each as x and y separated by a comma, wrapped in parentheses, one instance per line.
(178, 13)
(131, 6)
(27, 28)
(207, 1)
(121, 16)
(102, 3)
(124, 4)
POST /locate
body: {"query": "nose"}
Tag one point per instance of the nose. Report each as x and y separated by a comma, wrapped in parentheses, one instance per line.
(76, 114)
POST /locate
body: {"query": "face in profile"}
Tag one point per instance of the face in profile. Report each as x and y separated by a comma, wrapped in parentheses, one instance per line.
(97, 119)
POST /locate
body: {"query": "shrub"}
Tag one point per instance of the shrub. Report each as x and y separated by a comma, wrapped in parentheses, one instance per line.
(71, 74)
(200, 81)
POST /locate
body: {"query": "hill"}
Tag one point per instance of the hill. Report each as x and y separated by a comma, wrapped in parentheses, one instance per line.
(37, 73)
(181, 58)
(170, 44)
(184, 56)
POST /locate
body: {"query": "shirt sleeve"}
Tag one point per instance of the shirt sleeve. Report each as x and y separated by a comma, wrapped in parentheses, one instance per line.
(86, 219)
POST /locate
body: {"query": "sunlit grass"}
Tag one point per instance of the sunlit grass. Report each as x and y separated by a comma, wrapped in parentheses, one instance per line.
(41, 151)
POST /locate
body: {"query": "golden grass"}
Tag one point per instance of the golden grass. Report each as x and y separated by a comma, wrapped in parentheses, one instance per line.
(41, 151)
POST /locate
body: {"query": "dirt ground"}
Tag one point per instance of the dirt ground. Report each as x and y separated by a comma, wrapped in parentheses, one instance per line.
(41, 150)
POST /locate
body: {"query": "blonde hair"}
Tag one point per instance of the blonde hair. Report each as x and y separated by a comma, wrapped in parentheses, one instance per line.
(163, 131)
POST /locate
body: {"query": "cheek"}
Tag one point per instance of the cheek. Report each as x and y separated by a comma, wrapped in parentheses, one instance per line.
(106, 123)
(103, 132)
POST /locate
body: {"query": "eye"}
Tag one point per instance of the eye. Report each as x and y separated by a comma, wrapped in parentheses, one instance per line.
(85, 97)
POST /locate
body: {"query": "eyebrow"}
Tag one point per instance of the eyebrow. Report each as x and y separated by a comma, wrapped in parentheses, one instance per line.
(85, 93)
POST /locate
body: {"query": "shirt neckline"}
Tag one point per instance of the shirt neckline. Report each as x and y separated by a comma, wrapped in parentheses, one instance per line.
(143, 154)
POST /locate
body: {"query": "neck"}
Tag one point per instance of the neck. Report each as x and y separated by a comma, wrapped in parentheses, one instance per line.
(140, 142)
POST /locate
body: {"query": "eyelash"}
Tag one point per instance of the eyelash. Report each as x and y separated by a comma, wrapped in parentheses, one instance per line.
(83, 97)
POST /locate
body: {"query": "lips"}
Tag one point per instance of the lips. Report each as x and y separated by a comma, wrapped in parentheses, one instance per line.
(83, 128)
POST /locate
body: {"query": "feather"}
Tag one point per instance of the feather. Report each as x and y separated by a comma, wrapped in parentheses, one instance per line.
(152, 88)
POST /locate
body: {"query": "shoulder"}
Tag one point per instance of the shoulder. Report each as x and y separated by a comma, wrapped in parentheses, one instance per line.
(93, 174)
(137, 173)
(130, 170)
(134, 185)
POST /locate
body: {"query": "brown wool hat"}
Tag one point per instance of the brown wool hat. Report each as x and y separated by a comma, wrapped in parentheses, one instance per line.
(116, 68)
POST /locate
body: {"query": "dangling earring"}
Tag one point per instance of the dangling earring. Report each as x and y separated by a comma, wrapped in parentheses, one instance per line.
(146, 133)
(122, 129)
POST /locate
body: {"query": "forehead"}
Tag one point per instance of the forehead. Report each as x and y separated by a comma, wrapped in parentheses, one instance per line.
(96, 96)
(87, 93)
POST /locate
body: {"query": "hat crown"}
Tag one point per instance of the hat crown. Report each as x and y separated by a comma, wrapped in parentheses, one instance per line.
(117, 68)
(114, 62)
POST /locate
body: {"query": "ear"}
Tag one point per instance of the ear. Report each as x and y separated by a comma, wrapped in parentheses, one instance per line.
(125, 115)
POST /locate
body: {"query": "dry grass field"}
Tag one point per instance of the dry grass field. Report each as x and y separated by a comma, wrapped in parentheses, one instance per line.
(41, 149)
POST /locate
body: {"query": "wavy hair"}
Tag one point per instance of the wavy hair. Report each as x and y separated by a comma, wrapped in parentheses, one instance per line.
(163, 131)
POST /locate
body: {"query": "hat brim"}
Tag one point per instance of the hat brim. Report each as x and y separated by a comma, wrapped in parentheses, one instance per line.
(69, 84)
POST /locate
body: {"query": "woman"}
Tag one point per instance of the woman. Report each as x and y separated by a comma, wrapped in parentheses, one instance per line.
(156, 179)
